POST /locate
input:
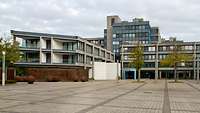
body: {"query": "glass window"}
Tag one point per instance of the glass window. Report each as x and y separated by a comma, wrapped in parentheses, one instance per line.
(115, 42)
(114, 35)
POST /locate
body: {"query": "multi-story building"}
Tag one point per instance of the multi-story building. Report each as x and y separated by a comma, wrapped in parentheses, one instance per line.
(118, 32)
(98, 41)
(153, 53)
(53, 50)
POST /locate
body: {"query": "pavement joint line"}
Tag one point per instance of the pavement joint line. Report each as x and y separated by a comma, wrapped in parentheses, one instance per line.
(11, 112)
(166, 102)
(80, 92)
(184, 110)
(34, 102)
(54, 90)
(142, 100)
(186, 102)
(76, 87)
(103, 105)
(192, 86)
(108, 100)
(132, 107)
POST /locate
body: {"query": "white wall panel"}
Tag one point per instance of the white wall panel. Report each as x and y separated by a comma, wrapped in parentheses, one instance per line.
(106, 71)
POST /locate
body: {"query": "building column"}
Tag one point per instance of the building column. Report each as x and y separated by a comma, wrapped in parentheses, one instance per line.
(194, 61)
(40, 53)
(135, 75)
(85, 55)
(160, 74)
(189, 74)
(93, 62)
(122, 66)
(52, 45)
(197, 69)
(156, 63)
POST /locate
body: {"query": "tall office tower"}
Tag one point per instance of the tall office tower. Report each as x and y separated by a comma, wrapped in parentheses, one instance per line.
(119, 32)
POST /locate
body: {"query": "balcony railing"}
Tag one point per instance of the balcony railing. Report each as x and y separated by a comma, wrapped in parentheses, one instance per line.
(30, 47)
(31, 60)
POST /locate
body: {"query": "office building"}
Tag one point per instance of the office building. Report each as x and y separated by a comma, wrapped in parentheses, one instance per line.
(42, 50)
(154, 53)
(118, 32)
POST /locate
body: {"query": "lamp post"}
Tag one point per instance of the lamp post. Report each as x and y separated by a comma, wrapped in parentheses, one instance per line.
(3, 68)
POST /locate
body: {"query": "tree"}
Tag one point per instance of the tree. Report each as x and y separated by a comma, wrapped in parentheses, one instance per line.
(137, 59)
(174, 58)
(12, 51)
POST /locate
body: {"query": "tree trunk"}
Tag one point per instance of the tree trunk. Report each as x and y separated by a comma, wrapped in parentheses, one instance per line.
(175, 75)
(138, 75)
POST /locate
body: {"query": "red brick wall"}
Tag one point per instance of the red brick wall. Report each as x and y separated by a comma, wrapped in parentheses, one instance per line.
(10, 74)
(41, 74)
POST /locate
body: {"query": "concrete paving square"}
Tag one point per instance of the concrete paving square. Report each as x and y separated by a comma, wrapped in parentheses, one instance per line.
(124, 96)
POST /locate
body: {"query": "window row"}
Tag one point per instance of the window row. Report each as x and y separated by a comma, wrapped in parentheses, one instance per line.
(131, 27)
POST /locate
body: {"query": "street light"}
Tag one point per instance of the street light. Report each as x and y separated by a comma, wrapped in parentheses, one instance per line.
(3, 68)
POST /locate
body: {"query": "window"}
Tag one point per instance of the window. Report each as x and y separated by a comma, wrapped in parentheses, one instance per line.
(171, 47)
(125, 48)
(125, 57)
(164, 48)
(112, 21)
(115, 42)
(123, 35)
(188, 47)
(114, 35)
(151, 48)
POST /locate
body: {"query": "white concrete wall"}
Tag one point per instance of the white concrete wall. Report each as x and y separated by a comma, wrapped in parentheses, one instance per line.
(112, 70)
(43, 55)
(57, 58)
(90, 73)
(43, 43)
(106, 71)
(99, 71)
(57, 45)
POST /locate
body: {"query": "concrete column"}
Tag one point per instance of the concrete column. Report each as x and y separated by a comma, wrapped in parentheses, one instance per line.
(122, 66)
(52, 45)
(198, 69)
(117, 69)
(160, 74)
(93, 67)
(189, 74)
(85, 55)
(40, 54)
(156, 62)
(134, 75)
(194, 61)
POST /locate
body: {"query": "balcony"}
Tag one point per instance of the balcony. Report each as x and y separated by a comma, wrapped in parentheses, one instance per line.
(30, 60)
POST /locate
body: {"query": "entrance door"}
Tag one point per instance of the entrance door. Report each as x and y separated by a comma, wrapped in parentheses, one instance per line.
(129, 75)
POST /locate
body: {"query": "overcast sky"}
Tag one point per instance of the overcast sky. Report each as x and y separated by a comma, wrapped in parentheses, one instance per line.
(87, 18)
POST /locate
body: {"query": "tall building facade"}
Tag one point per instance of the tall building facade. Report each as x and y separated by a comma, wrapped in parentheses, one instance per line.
(154, 53)
(138, 30)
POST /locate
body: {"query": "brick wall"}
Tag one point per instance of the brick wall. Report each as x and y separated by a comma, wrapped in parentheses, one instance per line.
(10, 74)
(41, 74)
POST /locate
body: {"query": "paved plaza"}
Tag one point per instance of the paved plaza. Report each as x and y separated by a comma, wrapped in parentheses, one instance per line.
(101, 97)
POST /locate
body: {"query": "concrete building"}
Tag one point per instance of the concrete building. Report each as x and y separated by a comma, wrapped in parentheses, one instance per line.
(58, 51)
(153, 53)
(118, 32)
(98, 41)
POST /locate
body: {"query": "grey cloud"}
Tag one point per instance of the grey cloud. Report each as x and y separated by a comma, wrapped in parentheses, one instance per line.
(87, 18)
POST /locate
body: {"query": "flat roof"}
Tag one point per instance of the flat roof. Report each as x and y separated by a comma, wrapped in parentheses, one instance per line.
(25, 33)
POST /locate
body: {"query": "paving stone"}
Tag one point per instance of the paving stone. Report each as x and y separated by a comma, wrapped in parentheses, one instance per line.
(100, 97)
